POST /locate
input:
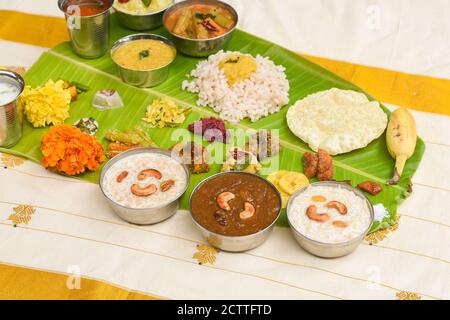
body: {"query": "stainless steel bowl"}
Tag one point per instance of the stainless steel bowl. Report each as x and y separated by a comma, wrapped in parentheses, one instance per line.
(142, 78)
(200, 47)
(10, 113)
(235, 243)
(140, 22)
(329, 250)
(146, 215)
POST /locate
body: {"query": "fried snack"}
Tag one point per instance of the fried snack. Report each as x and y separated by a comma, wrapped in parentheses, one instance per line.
(370, 187)
(325, 166)
(287, 182)
(194, 155)
(240, 160)
(127, 139)
(338, 121)
(263, 144)
(310, 164)
(292, 181)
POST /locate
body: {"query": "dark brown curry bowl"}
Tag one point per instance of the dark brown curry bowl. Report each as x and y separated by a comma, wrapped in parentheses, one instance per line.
(249, 235)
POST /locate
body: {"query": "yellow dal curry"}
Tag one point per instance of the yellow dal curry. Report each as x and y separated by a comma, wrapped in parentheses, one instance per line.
(144, 54)
(238, 67)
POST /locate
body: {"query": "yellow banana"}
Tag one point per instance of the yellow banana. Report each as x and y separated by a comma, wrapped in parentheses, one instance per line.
(401, 138)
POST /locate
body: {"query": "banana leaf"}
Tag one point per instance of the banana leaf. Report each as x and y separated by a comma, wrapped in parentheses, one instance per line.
(371, 163)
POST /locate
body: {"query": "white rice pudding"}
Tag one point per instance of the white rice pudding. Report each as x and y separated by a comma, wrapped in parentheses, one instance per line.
(120, 192)
(358, 217)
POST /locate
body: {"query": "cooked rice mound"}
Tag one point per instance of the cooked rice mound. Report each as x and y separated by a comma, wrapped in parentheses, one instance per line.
(264, 93)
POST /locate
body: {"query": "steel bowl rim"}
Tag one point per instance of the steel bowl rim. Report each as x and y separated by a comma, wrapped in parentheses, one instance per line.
(236, 172)
(332, 183)
(17, 78)
(61, 2)
(144, 14)
(150, 36)
(186, 3)
(139, 150)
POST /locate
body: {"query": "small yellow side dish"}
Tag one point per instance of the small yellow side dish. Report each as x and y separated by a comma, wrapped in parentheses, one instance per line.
(144, 55)
(238, 67)
(165, 113)
(287, 182)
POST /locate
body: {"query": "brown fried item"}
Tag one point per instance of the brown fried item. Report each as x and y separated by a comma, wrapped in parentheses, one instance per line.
(144, 174)
(263, 144)
(312, 213)
(339, 206)
(340, 224)
(122, 176)
(166, 185)
(139, 191)
(325, 166)
(310, 164)
(194, 155)
(370, 187)
(115, 148)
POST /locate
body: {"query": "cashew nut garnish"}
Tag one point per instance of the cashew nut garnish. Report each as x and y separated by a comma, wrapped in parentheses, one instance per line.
(339, 206)
(149, 173)
(223, 198)
(122, 176)
(166, 185)
(340, 224)
(139, 191)
(318, 198)
(311, 212)
(249, 211)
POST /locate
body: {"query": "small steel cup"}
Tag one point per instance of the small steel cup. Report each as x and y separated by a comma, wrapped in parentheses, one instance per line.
(10, 115)
(142, 78)
(89, 35)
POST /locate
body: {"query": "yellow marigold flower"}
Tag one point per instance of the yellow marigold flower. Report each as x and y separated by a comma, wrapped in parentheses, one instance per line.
(46, 105)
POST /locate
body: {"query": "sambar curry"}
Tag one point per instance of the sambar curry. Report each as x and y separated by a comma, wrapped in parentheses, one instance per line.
(235, 204)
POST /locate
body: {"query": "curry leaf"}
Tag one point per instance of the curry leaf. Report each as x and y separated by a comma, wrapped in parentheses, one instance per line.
(147, 3)
(144, 54)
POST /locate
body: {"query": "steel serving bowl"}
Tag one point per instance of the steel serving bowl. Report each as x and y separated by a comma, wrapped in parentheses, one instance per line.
(329, 250)
(143, 78)
(200, 47)
(141, 22)
(235, 243)
(143, 216)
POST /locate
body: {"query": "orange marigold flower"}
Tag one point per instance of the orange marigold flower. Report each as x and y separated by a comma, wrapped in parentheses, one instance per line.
(66, 149)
